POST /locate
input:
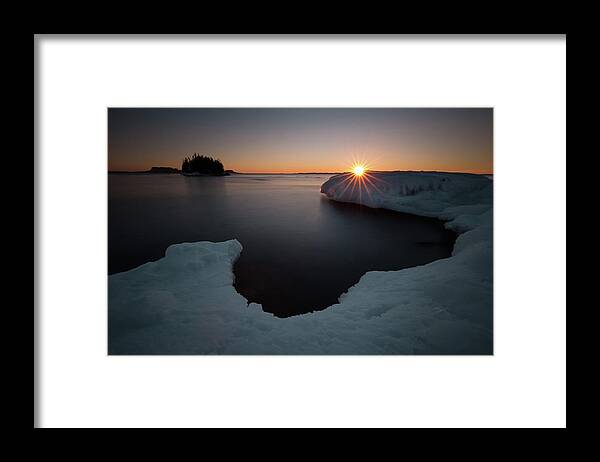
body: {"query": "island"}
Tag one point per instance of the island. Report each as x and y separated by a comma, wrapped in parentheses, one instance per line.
(200, 165)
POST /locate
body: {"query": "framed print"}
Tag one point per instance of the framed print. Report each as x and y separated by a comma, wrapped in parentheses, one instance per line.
(299, 231)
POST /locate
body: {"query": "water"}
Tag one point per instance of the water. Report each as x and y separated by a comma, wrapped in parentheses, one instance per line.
(301, 250)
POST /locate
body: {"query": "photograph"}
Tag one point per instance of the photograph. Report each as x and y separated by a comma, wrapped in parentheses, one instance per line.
(300, 230)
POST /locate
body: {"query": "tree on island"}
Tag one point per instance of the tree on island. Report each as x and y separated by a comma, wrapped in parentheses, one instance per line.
(204, 165)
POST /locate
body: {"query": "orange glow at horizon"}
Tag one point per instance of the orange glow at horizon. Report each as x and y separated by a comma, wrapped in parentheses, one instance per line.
(317, 168)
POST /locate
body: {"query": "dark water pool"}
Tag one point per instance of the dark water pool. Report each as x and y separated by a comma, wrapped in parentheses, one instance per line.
(301, 250)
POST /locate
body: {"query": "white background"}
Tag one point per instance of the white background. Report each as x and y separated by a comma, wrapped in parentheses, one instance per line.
(523, 384)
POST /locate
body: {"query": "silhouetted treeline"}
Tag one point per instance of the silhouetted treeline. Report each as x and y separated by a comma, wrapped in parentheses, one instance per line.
(202, 164)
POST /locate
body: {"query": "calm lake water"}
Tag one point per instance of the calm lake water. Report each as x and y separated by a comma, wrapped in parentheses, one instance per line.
(301, 250)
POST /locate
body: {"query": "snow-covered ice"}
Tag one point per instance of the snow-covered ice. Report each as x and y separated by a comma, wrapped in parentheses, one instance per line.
(185, 303)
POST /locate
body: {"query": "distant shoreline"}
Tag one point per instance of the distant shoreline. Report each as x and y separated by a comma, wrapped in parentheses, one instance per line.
(231, 172)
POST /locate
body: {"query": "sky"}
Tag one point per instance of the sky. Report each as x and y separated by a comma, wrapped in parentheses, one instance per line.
(294, 140)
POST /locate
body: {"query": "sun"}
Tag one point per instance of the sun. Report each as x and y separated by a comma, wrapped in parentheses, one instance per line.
(358, 170)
